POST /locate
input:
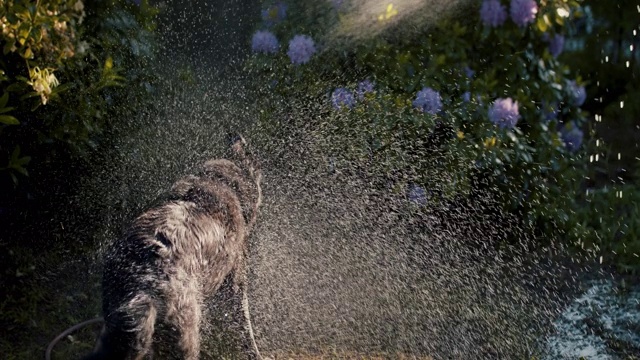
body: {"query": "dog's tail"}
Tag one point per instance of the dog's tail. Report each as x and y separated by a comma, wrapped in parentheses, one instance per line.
(238, 145)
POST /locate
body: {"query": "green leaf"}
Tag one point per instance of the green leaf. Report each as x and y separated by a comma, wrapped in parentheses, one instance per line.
(22, 161)
(9, 120)
(15, 154)
(4, 99)
(8, 47)
(21, 170)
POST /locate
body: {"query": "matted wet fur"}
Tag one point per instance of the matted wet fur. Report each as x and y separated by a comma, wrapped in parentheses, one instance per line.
(175, 255)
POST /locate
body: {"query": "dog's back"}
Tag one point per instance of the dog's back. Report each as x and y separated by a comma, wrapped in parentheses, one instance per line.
(175, 255)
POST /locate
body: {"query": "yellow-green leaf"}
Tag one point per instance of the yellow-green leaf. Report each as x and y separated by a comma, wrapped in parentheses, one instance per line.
(9, 120)
(4, 99)
(108, 64)
(27, 54)
(542, 24)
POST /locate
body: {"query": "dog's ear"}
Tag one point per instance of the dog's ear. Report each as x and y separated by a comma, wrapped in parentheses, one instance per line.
(236, 143)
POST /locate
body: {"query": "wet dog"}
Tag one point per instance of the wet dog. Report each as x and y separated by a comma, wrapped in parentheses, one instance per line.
(175, 255)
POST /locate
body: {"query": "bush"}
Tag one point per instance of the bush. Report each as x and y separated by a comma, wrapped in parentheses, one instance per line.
(65, 66)
(479, 100)
(475, 102)
(72, 72)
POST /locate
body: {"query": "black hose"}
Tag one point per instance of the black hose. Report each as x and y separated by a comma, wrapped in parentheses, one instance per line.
(47, 354)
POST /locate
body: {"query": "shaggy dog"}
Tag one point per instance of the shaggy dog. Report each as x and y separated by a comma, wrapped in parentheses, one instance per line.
(175, 255)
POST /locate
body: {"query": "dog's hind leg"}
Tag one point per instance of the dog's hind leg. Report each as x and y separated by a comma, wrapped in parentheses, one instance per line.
(185, 314)
(142, 316)
(128, 331)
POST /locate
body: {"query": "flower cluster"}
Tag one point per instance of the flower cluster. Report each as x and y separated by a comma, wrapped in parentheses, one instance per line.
(523, 12)
(577, 93)
(494, 14)
(337, 4)
(342, 97)
(365, 87)
(556, 45)
(504, 113)
(43, 81)
(301, 48)
(428, 100)
(571, 136)
(417, 195)
(264, 42)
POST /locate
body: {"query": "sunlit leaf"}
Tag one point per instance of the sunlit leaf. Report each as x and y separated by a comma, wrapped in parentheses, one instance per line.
(8, 120)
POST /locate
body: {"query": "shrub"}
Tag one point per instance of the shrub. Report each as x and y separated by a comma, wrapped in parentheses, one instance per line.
(465, 103)
(65, 66)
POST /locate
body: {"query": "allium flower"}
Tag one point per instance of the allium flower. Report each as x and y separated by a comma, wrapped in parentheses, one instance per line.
(571, 136)
(417, 195)
(364, 87)
(264, 42)
(492, 13)
(274, 13)
(556, 45)
(342, 97)
(337, 4)
(504, 113)
(428, 100)
(469, 72)
(577, 93)
(550, 111)
(301, 47)
(523, 12)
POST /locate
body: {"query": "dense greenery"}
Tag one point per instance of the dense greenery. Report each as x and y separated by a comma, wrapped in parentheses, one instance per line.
(480, 102)
(68, 69)
(604, 45)
(62, 66)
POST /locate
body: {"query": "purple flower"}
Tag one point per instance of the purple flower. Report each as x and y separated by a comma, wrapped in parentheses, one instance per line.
(550, 111)
(428, 100)
(337, 4)
(571, 136)
(342, 97)
(466, 97)
(264, 42)
(577, 93)
(274, 13)
(364, 87)
(556, 45)
(417, 195)
(469, 72)
(523, 12)
(492, 13)
(301, 47)
(504, 113)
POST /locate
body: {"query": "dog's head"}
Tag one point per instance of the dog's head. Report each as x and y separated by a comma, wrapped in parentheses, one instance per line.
(242, 172)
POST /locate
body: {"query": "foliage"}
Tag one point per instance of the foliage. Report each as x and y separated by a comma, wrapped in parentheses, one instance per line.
(603, 46)
(65, 63)
(535, 163)
(611, 216)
